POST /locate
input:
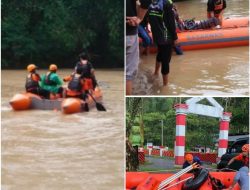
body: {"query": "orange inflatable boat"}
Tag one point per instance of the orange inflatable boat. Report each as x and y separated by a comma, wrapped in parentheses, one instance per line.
(27, 101)
(235, 22)
(234, 32)
(204, 181)
(74, 105)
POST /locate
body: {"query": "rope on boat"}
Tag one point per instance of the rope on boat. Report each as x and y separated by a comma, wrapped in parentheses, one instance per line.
(177, 183)
(175, 176)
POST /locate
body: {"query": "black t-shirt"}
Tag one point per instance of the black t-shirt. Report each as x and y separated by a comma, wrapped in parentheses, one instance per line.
(211, 5)
(145, 21)
(84, 68)
(131, 11)
(162, 21)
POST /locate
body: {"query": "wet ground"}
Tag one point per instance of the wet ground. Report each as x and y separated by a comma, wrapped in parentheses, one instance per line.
(165, 165)
(223, 71)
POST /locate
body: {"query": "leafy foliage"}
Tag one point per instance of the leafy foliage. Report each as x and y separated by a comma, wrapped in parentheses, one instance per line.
(200, 130)
(57, 31)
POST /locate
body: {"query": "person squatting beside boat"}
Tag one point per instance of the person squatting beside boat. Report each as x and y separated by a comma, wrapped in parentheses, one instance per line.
(189, 160)
(215, 8)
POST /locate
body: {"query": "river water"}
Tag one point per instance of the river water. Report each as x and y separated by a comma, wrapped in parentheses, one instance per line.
(222, 71)
(48, 150)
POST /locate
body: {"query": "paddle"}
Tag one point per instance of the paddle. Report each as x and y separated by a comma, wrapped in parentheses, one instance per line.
(98, 105)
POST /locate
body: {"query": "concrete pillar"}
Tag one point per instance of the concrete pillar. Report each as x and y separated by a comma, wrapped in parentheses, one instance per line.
(161, 150)
(181, 110)
(223, 137)
(150, 150)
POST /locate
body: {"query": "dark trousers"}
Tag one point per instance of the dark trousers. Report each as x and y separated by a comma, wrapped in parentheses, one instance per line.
(146, 40)
(60, 91)
(39, 91)
(164, 57)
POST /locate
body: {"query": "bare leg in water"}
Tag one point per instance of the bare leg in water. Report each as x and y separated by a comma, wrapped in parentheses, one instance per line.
(165, 80)
(156, 73)
(157, 68)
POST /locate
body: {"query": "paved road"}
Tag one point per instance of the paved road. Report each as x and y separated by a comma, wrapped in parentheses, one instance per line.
(163, 163)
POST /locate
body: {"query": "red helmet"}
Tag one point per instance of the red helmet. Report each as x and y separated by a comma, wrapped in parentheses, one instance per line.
(189, 157)
(245, 148)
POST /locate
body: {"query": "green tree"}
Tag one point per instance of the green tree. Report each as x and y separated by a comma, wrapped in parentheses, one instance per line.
(57, 31)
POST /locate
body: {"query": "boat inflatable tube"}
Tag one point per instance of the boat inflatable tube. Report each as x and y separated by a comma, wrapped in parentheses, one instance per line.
(22, 101)
(148, 184)
(197, 181)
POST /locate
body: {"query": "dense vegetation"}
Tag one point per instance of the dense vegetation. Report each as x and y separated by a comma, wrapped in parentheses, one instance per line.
(200, 130)
(56, 31)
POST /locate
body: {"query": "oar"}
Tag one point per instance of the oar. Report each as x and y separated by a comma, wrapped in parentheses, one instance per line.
(98, 105)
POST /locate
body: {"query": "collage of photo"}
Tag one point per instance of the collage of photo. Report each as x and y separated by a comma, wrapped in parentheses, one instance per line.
(125, 95)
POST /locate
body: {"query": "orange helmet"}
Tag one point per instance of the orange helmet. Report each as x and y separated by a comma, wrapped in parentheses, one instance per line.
(31, 67)
(245, 148)
(52, 67)
(189, 157)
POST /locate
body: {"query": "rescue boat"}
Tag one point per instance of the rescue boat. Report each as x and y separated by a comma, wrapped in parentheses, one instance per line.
(26, 101)
(235, 22)
(74, 105)
(204, 181)
(234, 32)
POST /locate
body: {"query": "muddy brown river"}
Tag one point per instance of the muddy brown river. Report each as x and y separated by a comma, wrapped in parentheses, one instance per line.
(48, 150)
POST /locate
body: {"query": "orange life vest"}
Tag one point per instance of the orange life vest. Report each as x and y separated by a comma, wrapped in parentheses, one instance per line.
(88, 84)
(218, 7)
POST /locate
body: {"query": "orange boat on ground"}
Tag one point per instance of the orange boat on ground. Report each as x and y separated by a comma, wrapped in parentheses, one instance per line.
(234, 32)
(27, 101)
(150, 181)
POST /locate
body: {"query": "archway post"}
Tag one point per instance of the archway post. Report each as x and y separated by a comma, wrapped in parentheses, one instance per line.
(223, 137)
(181, 112)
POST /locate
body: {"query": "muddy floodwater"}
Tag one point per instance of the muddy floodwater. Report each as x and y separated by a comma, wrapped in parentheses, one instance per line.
(223, 71)
(48, 150)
